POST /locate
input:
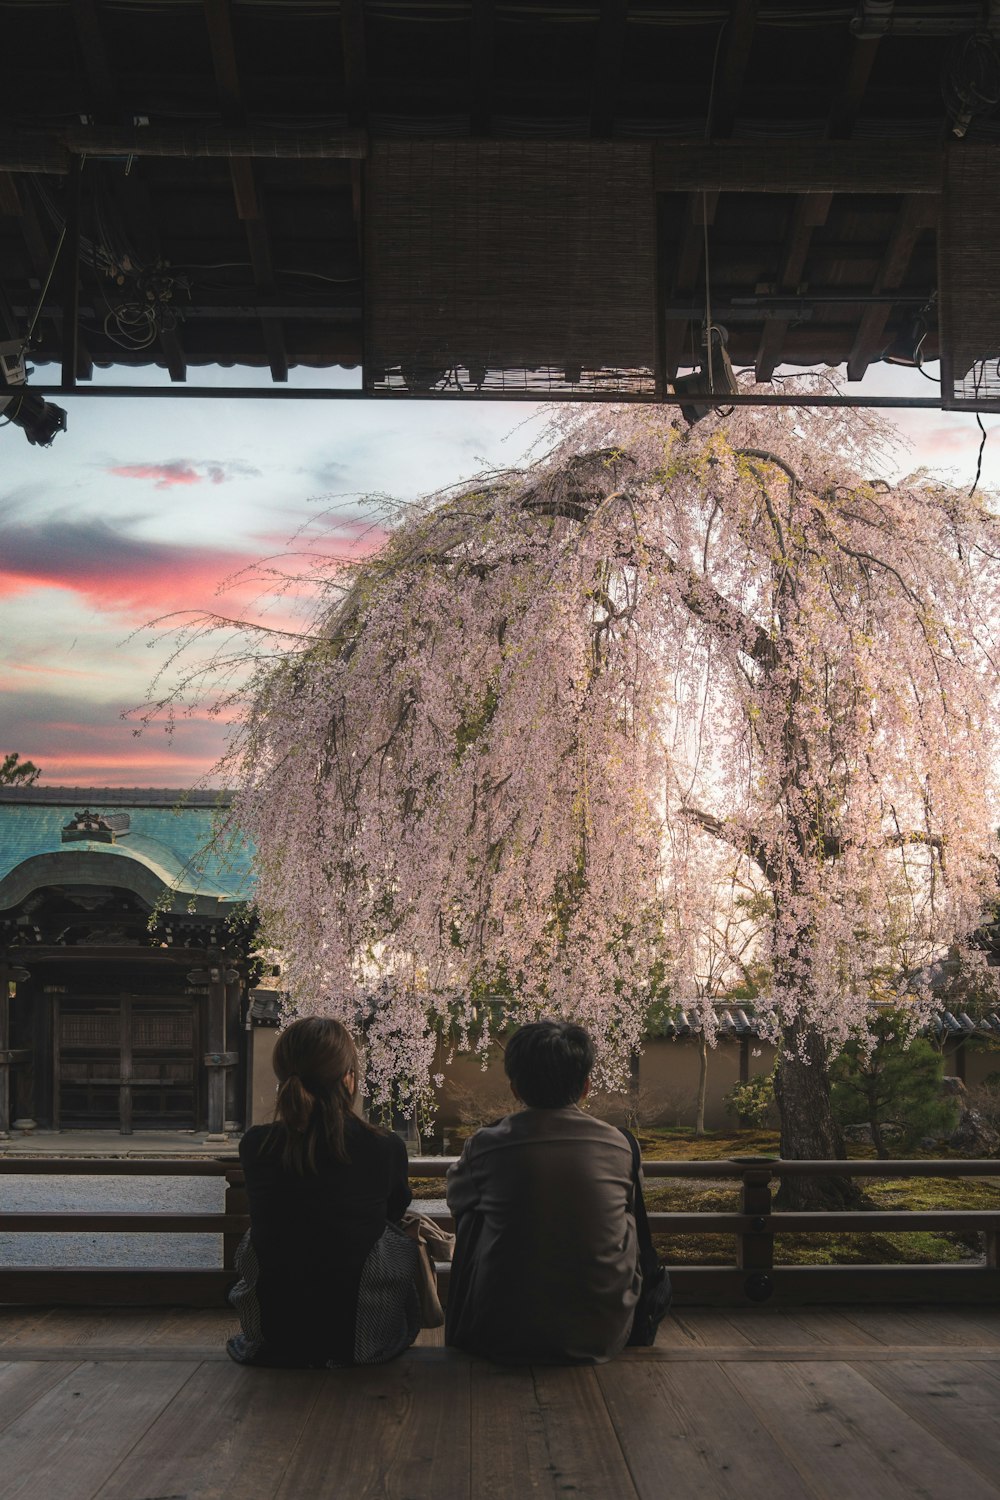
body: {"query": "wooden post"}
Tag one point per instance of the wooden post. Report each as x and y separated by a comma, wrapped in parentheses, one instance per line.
(4, 1051)
(10, 974)
(236, 1203)
(125, 1070)
(755, 1246)
(234, 989)
(216, 1049)
(216, 1059)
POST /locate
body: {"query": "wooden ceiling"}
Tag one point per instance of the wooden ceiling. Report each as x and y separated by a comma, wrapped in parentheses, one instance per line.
(479, 197)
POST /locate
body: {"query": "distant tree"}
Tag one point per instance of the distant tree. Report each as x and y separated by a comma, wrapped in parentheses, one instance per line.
(891, 1082)
(17, 772)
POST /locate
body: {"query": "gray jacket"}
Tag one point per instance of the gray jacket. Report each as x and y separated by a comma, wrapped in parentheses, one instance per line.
(546, 1265)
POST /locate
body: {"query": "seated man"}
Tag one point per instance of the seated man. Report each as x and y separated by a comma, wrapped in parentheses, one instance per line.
(546, 1264)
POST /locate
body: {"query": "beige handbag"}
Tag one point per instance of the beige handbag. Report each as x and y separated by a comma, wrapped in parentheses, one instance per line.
(433, 1243)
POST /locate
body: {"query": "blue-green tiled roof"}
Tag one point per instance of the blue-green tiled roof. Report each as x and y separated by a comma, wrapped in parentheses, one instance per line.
(172, 835)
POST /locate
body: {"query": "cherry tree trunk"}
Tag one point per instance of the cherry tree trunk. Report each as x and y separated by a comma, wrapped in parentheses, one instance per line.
(808, 1130)
(699, 1124)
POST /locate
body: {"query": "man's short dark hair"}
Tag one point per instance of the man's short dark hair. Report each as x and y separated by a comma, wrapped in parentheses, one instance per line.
(549, 1062)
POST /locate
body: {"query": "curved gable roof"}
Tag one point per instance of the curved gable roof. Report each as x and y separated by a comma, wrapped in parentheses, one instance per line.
(172, 853)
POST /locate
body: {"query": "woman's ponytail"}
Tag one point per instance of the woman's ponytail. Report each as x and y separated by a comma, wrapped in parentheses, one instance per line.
(313, 1060)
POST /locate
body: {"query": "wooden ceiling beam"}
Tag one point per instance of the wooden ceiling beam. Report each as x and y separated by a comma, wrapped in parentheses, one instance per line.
(915, 216)
(811, 210)
(355, 53)
(851, 87)
(249, 209)
(40, 254)
(609, 54)
(731, 68)
(725, 87)
(809, 213)
(797, 166)
(96, 62)
(481, 66)
(700, 212)
(130, 191)
(352, 37)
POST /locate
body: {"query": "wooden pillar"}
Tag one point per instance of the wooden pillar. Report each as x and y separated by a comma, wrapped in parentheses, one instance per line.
(5, 1060)
(125, 1077)
(9, 974)
(234, 991)
(755, 1245)
(216, 1059)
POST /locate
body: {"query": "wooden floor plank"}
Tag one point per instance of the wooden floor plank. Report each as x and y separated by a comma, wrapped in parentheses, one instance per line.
(398, 1430)
(952, 1400)
(203, 1325)
(960, 1325)
(81, 1326)
(676, 1333)
(709, 1326)
(70, 1440)
(22, 1384)
(766, 1325)
(685, 1432)
(543, 1431)
(830, 1326)
(27, 1325)
(926, 1325)
(847, 1439)
(229, 1432)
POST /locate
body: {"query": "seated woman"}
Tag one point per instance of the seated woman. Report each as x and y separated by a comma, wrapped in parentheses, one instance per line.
(547, 1264)
(327, 1277)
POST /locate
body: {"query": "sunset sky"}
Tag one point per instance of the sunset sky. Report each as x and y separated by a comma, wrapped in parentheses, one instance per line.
(144, 508)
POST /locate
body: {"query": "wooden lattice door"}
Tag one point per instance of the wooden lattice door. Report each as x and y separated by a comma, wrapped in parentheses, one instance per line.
(126, 1062)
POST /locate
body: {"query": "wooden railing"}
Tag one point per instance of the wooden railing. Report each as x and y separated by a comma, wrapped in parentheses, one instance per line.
(753, 1275)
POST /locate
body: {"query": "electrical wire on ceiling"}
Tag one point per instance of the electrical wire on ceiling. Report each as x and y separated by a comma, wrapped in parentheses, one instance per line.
(970, 80)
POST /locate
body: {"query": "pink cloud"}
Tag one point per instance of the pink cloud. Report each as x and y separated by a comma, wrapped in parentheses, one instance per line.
(163, 475)
(183, 471)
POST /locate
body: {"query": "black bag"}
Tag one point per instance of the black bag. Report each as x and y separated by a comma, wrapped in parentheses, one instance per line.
(654, 1299)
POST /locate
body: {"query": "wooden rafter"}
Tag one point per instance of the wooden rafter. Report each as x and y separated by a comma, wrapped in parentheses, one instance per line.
(798, 166)
(729, 71)
(811, 209)
(352, 36)
(130, 192)
(219, 21)
(609, 52)
(809, 213)
(699, 212)
(481, 66)
(731, 68)
(917, 214)
(19, 205)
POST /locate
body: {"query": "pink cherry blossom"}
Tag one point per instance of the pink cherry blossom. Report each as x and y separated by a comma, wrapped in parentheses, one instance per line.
(497, 779)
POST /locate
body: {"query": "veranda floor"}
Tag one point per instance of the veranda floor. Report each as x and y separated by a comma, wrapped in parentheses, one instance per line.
(846, 1404)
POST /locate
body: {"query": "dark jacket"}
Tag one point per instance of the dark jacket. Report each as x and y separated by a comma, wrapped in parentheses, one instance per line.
(546, 1263)
(312, 1235)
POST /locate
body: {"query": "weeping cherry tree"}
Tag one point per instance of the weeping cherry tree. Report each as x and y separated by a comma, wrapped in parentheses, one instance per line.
(474, 786)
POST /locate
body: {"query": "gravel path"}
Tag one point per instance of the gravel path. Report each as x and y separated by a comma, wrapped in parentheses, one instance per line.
(110, 1195)
(121, 1195)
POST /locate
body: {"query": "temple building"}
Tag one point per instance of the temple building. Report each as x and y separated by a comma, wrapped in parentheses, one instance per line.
(126, 976)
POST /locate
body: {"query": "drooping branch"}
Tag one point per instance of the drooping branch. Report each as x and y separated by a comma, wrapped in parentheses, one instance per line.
(747, 843)
(834, 847)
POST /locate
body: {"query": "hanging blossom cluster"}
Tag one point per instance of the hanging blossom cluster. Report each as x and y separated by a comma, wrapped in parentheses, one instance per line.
(478, 786)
